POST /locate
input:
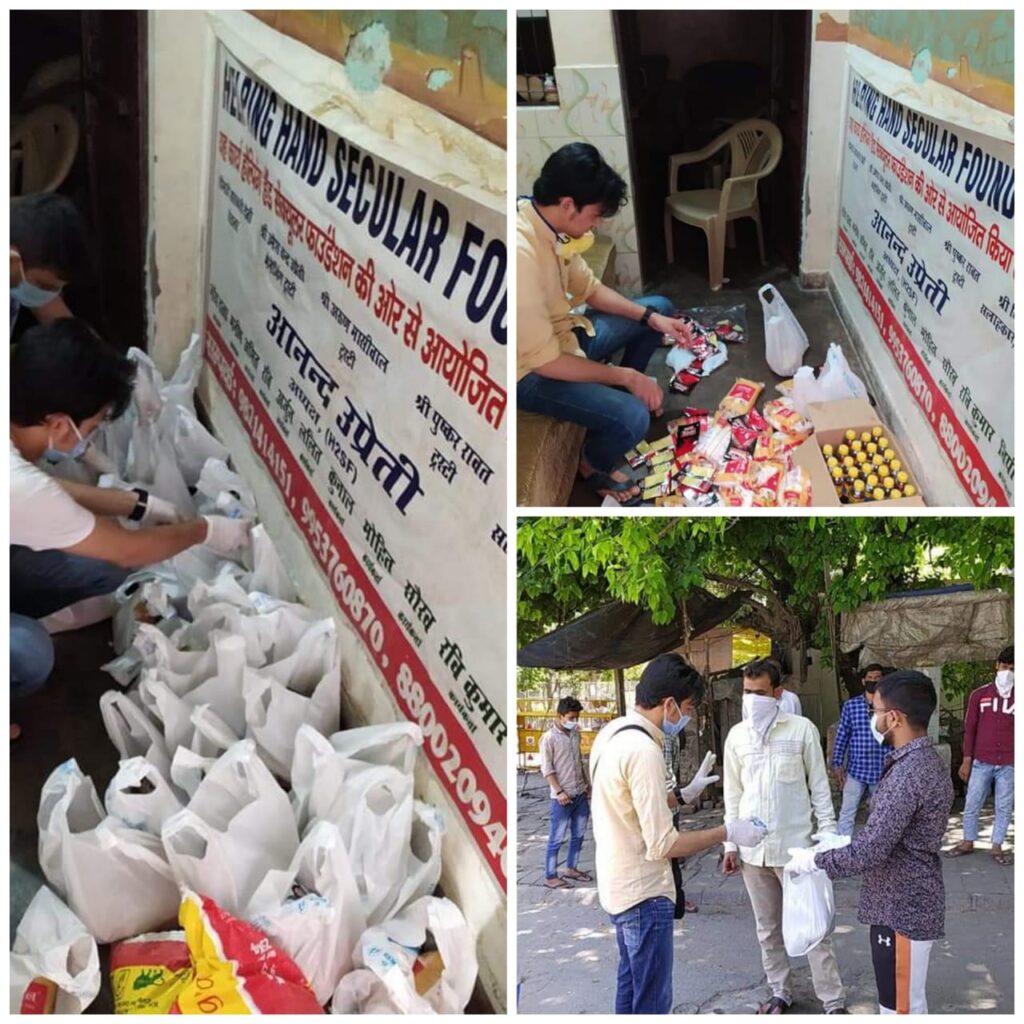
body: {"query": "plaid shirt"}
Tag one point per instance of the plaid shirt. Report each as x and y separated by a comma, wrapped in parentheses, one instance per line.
(856, 745)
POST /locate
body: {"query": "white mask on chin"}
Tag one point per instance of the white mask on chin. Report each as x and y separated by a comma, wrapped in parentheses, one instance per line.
(1004, 682)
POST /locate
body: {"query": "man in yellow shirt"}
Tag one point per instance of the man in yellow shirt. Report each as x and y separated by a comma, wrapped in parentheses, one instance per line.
(562, 358)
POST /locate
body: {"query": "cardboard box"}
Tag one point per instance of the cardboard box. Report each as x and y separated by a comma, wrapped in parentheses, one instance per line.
(831, 421)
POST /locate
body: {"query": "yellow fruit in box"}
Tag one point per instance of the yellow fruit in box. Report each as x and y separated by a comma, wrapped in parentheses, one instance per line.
(876, 431)
(844, 449)
(827, 450)
(850, 435)
(888, 483)
(872, 448)
(890, 454)
(895, 494)
(909, 491)
(878, 494)
(901, 476)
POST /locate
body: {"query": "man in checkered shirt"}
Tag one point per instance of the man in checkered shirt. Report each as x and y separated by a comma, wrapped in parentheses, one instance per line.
(857, 758)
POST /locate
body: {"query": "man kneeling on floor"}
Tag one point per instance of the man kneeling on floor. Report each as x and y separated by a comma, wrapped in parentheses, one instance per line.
(562, 361)
(66, 541)
(902, 898)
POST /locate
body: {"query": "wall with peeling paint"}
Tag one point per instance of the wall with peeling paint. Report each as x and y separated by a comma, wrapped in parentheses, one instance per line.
(591, 109)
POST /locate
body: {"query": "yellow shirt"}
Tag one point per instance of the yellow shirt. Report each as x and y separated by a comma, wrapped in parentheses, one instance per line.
(633, 829)
(547, 288)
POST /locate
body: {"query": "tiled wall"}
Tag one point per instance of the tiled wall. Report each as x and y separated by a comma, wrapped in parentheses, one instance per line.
(590, 109)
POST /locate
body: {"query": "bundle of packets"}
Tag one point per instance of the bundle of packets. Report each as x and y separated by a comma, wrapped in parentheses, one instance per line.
(866, 468)
(696, 360)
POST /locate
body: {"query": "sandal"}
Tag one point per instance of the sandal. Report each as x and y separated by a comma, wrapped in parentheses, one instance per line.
(774, 1005)
(960, 850)
(577, 876)
(598, 482)
(556, 883)
(1003, 858)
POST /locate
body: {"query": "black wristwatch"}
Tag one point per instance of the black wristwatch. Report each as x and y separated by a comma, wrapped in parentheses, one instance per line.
(140, 505)
(678, 794)
(647, 314)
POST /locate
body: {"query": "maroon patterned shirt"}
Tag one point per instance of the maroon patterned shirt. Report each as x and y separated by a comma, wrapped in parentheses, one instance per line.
(897, 851)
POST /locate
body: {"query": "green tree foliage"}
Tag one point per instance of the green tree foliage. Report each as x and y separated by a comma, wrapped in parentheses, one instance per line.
(796, 570)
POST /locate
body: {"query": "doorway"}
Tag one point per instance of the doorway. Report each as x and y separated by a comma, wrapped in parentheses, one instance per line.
(93, 63)
(688, 76)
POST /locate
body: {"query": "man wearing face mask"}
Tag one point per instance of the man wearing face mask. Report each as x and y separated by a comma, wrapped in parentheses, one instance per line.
(774, 770)
(902, 898)
(561, 764)
(988, 758)
(48, 251)
(856, 758)
(634, 834)
(66, 541)
(563, 364)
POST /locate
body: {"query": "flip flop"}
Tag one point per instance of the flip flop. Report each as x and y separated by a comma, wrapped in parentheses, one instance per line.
(959, 851)
(556, 883)
(1003, 858)
(598, 482)
(774, 1005)
(577, 876)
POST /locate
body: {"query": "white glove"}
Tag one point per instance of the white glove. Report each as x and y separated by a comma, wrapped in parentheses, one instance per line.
(160, 512)
(745, 831)
(226, 536)
(829, 840)
(700, 781)
(801, 861)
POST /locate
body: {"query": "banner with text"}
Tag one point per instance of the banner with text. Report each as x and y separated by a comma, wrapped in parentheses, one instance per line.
(356, 320)
(926, 236)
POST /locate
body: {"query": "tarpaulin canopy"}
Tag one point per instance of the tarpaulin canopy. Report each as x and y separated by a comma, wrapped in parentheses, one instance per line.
(932, 628)
(620, 635)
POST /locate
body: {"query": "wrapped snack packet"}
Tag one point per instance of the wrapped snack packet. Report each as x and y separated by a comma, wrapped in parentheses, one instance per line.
(784, 416)
(740, 398)
(796, 489)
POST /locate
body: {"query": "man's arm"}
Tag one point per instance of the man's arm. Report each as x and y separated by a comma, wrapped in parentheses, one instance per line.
(111, 542)
(817, 780)
(101, 501)
(607, 300)
(732, 787)
(842, 740)
(688, 843)
(645, 775)
(891, 812)
(971, 726)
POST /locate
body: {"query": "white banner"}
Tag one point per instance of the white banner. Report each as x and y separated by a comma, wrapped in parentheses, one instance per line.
(926, 235)
(356, 320)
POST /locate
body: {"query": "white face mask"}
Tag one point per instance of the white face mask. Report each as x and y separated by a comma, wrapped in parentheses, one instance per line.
(876, 732)
(760, 711)
(1004, 682)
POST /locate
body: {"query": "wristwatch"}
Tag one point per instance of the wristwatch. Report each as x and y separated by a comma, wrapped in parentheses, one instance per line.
(647, 314)
(678, 794)
(140, 505)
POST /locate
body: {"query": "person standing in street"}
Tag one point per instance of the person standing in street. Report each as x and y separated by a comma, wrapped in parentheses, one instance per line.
(561, 764)
(902, 898)
(634, 835)
(856, 758)
(774, 771)
(988, 758)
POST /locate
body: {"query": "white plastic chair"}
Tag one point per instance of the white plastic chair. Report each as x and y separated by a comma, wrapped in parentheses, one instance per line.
(44, 143)
(756, 148)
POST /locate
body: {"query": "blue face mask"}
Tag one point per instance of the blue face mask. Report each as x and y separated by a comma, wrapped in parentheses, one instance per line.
(56, 455)
(675, 728)
(31, 295)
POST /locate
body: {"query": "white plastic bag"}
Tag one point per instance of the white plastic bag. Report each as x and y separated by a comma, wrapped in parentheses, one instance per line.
(221, 491)
(132, 731)
(115, 879)
(784, 338)
(393, 743)
(315, 657)
(188, 769)
(837, 381)
(269, 575)
(52, 943)
(312, 911)
(140, 797)
(274, 714)
(423, 870)
(808, 910)
(236, 828)
(389, 952)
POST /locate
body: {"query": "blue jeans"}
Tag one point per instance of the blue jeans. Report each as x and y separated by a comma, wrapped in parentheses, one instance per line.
(644, 934)
(984, 777)
(43, 582)
(31, 656)
(615, 419)
(574, 816)
(853, 793)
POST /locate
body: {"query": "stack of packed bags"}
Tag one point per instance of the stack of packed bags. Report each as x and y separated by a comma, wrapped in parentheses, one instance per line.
(734, 456)
(293, 855)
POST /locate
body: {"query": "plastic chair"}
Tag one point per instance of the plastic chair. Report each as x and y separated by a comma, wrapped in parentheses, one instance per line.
(44, 144)
(756, 148)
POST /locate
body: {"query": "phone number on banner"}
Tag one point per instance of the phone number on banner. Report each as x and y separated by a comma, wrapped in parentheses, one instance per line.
(452, 754)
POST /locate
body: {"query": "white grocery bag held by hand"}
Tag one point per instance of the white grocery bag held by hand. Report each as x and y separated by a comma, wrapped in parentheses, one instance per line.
(52, 944)
(808, 900)
(784, 340)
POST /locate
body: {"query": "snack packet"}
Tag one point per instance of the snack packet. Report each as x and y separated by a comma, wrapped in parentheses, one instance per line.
(740, 398)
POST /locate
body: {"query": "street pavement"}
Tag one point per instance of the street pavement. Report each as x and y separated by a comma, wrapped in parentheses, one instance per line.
(567, 955)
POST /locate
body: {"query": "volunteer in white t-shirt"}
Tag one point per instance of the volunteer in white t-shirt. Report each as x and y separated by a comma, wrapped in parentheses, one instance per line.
(66, 541)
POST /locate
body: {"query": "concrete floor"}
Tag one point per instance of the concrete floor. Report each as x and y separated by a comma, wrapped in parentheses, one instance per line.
(567, 950)
(686, 284)
(61, 721)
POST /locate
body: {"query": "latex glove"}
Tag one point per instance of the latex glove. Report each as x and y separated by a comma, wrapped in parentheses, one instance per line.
(801, 861)
(745, 831)
(830, 840)
(160, 512)
(701, 780)
(226, 536)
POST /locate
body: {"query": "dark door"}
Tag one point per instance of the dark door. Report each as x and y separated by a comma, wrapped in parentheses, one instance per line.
(790, 69)
(114, 81)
